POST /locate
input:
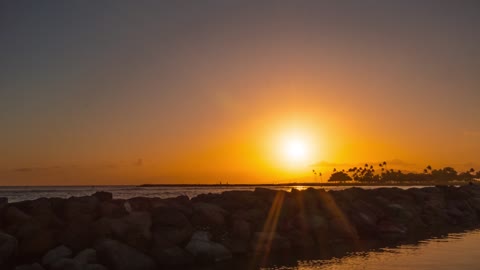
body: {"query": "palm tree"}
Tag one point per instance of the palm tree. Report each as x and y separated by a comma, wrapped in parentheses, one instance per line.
(429, 168)
(472, 170)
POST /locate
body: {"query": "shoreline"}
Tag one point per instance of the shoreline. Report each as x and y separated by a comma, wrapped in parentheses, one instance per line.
(251, 227)
(307, 184)
(290, 184)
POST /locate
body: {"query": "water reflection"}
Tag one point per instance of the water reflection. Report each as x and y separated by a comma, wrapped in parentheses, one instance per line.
(456, 251)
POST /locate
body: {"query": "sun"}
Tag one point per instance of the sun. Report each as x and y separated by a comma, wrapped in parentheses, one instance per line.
(296, 150)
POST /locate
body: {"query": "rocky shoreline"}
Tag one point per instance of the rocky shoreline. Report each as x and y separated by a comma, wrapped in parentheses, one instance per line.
(98, 232)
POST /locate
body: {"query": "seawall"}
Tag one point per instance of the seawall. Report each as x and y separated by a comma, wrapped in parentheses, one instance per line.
(99, 232)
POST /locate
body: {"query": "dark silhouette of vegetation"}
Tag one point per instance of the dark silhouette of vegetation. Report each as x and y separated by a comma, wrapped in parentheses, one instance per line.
(367, 174)
(339, 177)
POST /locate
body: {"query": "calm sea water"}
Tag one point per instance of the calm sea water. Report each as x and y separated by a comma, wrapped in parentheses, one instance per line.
(459, 251)
(21, 193)
(15, 194)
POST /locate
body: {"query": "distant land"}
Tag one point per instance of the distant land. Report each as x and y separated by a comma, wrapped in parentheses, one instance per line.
(459, 183)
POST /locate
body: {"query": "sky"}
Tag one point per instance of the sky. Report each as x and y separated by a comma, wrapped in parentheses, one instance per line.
(132, 92)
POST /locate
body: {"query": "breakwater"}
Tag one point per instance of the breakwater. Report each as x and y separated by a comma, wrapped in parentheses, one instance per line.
(100, 232)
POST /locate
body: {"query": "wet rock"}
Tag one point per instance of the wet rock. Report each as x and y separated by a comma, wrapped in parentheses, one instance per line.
(461, 212)
(206, 250)
(8, 248)
(365, 217)
(390, 231)
(118, 256)
(56, 254)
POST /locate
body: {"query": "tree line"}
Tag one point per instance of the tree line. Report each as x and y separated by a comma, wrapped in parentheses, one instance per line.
(383, 174)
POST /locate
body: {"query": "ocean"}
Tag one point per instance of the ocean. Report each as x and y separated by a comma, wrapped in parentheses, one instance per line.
(21, 193)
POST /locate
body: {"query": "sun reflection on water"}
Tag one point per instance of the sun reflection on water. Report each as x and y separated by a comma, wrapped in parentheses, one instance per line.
(456, 251)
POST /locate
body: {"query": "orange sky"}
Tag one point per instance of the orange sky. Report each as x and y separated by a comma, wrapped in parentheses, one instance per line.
(166, 93)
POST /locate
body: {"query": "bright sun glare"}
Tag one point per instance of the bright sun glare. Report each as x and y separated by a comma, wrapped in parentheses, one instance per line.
(295, 150)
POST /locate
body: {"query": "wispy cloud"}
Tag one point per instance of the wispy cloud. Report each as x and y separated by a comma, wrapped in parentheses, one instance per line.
(34, 169)
(471, 133)
(324, 163)
(110, 166)
(138, 162)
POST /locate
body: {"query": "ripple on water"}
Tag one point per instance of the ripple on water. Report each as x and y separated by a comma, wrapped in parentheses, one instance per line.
(455, 251)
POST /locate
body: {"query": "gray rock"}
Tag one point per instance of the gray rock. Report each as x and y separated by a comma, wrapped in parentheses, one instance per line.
(35, 266)
(270, 241)
(103, 196)
(133, 229)
(241, 229)
(118, 256)
(34, 239)
(170, 227)
(206, 250)
(81, 209)
(65, 264)
(13, 215)
(112, 210)
(172, 256)
(128, 207)
(86, 256)
(56, 254)
(8, 247)
(208, 215)
(94, 267)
